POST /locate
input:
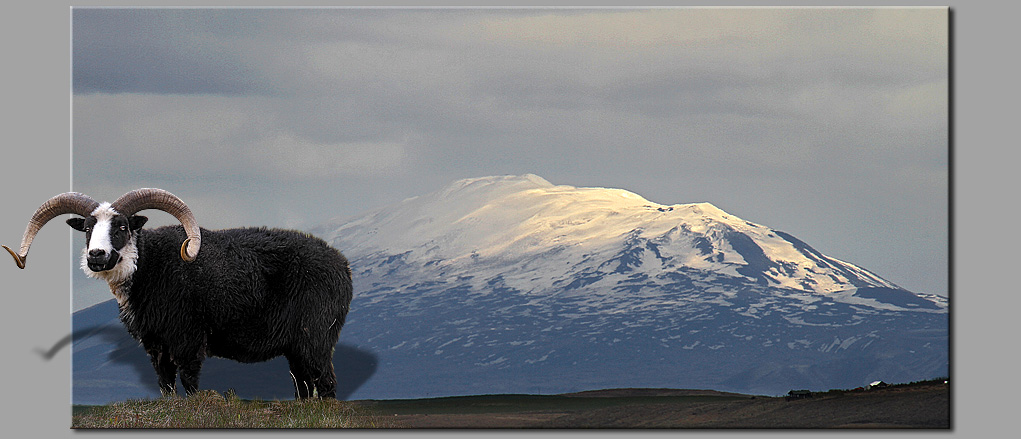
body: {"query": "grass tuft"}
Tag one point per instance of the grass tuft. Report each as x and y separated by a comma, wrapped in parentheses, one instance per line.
(208, 409)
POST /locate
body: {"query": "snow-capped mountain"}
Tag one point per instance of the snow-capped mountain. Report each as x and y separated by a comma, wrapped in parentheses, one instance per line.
(516, 227)
(515, 285)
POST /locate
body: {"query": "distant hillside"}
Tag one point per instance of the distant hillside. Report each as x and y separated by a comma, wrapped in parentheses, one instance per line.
(616, 393)
(922, 406)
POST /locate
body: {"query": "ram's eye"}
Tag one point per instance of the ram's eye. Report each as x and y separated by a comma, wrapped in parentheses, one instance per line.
(124, 228)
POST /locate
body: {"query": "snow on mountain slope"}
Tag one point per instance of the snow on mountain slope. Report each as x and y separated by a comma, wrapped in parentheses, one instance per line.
(515, 225)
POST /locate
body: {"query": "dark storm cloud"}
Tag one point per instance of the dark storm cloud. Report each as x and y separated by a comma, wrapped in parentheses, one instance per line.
(155, 51)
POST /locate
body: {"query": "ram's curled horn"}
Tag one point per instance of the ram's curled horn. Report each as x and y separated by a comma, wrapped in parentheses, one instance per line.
(151, 198)
(68, 202)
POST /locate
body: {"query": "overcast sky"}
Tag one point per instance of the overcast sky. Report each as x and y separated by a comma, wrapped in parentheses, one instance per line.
(829, 124)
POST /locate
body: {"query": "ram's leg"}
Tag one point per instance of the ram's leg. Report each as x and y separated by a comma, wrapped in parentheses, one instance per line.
(303, 382)
(312, 375)
(326, 385)
(166, 372)
(190, 373)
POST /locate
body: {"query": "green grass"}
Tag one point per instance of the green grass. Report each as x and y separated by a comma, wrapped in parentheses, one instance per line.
(208, 409)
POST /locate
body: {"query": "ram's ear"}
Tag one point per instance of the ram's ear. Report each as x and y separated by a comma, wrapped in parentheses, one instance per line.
(137, 221)
(77, 224)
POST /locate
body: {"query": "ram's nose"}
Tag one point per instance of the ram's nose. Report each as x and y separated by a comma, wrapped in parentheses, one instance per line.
(101, 260)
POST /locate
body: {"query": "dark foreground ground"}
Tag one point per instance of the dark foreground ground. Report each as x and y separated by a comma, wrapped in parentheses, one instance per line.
(925, 406)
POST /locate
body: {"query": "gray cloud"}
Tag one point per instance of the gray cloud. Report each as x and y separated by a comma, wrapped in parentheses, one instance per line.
(830, 124)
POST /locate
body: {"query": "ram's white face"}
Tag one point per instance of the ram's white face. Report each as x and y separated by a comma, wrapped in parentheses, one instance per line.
(101, 237)
(110, 252)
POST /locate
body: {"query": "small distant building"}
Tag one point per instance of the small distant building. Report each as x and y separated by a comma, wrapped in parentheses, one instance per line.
(876, 385)
(798, 394)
